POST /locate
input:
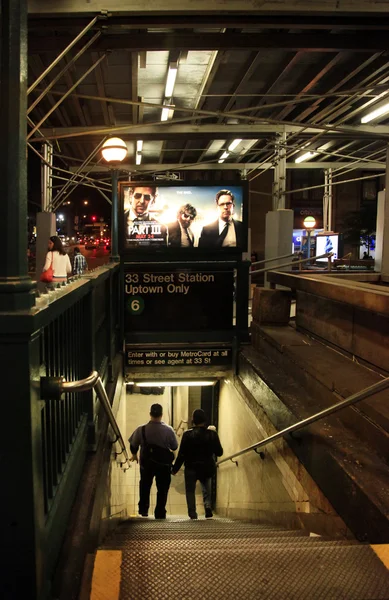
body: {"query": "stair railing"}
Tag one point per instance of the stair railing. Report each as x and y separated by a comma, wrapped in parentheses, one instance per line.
(54, 387)
(180, 426)
(291, 263)
(379, 386)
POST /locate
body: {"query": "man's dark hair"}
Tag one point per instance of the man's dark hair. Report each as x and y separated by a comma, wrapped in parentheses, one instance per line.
(142, 185)
(76, 250)
(156, 410)
(225, 193)
(189, 209)
(198, 417)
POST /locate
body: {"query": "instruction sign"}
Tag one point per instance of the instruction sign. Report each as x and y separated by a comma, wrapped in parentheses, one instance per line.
(173, 357)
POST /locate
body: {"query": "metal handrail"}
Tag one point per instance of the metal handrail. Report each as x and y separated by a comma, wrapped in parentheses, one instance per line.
(179, 426)
(265, 260)
(353, 399)
(294, 262)
(90, 382)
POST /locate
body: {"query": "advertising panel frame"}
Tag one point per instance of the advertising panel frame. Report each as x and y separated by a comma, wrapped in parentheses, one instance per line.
(160, 250)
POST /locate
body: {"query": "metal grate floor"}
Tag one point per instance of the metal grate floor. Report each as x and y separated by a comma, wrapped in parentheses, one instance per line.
(229, 560)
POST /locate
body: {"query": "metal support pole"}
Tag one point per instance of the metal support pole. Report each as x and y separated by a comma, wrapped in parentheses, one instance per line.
(329, 222)
(16, 287)
(114, 218)
(72, 180)
(279, 172)
(63, 71)
(46, 174)
(68, 92)
(60, 56)
(309, 244)
(325, 202)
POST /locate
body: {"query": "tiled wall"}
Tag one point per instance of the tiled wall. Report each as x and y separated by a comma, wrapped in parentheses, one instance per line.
(277, 489)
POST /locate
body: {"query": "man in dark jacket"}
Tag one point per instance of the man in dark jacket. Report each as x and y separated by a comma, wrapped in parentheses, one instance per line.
(198, 448)
(226, 231)
(157, 442)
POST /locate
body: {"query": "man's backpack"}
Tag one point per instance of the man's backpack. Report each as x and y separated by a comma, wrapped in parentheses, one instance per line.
(154, 453)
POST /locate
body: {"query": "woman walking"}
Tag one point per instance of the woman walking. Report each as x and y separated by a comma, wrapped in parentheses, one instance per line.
(58, 260)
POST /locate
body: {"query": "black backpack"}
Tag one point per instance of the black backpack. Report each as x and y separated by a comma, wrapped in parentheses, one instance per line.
(154, 453)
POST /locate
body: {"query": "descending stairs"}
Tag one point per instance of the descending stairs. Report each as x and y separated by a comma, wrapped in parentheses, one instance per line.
(179, 559)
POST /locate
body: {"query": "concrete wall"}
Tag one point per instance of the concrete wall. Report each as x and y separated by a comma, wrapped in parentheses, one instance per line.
(360, 332)
(276, 489)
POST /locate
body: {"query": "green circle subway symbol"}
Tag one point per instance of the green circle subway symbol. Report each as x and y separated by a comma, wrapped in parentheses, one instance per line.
(136, 305)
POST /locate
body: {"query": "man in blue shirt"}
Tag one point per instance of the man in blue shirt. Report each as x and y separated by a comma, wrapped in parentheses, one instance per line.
(157, 441)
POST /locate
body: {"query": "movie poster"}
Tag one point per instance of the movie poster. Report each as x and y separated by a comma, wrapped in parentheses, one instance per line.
(208, 217)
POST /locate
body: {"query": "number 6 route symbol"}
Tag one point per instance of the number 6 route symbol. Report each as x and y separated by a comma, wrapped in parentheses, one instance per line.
(136, 305)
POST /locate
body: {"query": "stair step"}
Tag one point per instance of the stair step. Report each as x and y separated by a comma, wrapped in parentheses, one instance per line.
(174, 571)
(216, 543)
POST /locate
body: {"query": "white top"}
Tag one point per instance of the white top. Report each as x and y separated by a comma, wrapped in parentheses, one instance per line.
(61, 263)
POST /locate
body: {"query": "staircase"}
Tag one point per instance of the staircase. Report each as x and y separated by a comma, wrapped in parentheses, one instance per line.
(180, 559)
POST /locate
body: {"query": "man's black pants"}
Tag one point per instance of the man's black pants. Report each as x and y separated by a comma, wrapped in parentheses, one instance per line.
(162, 474)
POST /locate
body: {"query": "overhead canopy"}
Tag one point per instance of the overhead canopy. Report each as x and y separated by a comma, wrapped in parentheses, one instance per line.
(260, 73)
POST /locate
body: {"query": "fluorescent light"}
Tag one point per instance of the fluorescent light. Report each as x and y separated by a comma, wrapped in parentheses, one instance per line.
(225, 155)
(234, 144)
(165, 114)
(173, 383)
(139, 145)
(375, 113)
(170, 81)
(138, 158)
(305, 156)
(221, 160)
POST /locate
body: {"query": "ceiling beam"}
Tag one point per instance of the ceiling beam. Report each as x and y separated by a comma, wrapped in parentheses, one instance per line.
(220, 20)
(210, 166)
(320, 42)
(311, 84)
(272, 7)
(166, 131)
(101, 88)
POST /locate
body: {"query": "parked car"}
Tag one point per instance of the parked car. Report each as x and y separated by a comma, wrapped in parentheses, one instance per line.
(91, 245)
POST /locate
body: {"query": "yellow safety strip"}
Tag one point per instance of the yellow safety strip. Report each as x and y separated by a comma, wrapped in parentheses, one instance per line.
(106, 575)
(382, 551)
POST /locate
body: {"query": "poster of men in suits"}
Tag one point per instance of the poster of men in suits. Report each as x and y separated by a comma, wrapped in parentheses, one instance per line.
(184, 216)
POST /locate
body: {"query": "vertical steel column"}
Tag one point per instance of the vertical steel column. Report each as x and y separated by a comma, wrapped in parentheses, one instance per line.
(329, 222)
(327, 200)
(114, 218)
(279, 172)
(46, 176)
(16, 288)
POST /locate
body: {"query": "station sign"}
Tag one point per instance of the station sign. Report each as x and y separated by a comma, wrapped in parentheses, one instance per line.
(178, 299)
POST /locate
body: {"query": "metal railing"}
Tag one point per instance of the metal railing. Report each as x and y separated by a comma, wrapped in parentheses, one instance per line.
(293, 262)
(56, 386)
(182, 422)
(266, 260)
(353, 399)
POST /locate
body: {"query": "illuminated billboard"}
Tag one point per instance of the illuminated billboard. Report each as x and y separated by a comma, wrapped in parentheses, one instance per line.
(192, 218)
(327, 243)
